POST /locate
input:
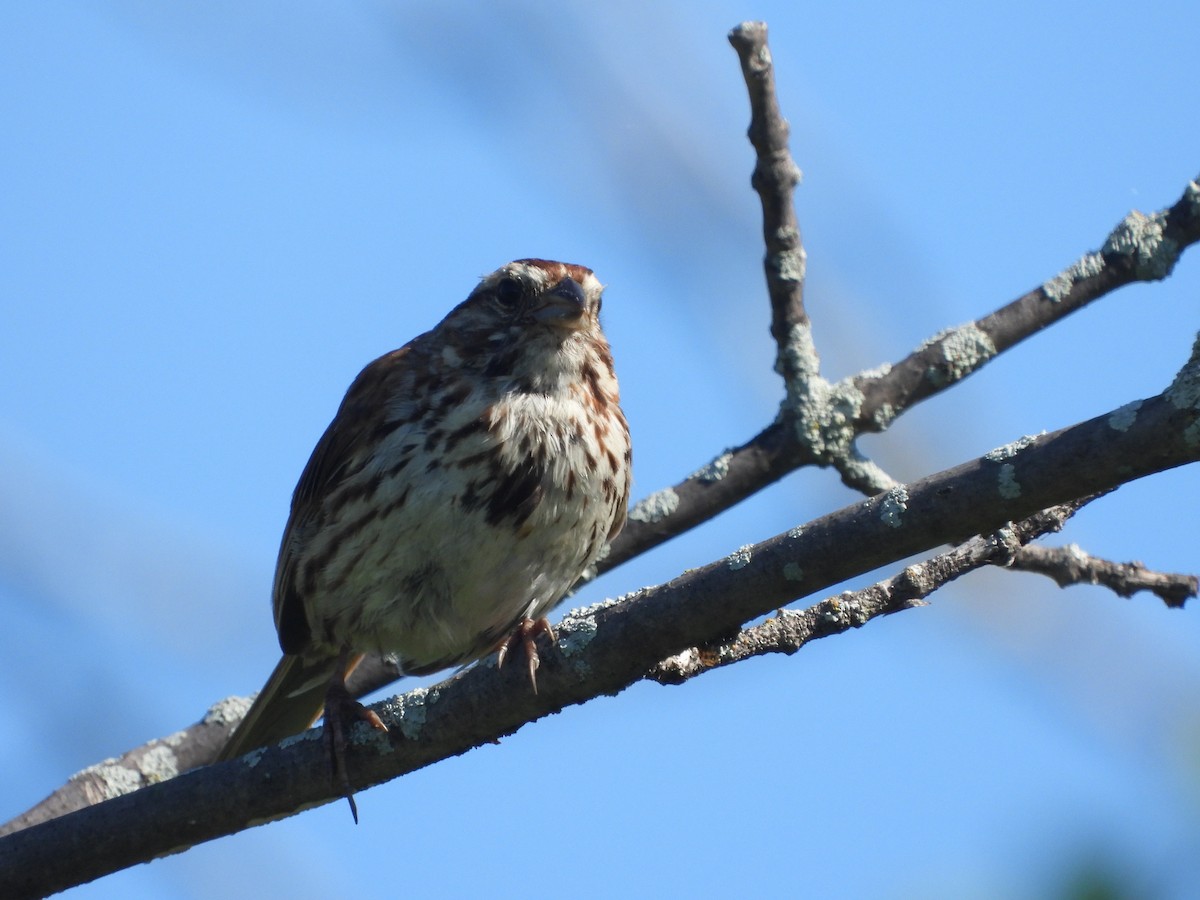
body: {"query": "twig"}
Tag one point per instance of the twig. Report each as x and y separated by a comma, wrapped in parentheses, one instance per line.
(811, 404)
(775, 178)
(789, 630)
(1139, 248)
(1071, 565)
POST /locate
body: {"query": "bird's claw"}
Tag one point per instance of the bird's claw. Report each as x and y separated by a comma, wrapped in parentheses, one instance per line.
(526, 634)
(341, 711)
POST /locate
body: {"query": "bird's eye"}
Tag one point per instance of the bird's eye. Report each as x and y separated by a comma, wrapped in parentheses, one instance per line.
(509, 292)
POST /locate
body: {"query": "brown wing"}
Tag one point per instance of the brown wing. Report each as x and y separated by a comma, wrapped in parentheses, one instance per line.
(340, 452)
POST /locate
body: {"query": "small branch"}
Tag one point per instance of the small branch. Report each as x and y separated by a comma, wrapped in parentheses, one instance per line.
(810, 410)
(152, 762)
(1071, 565)
(163, 758)
(775, 178)
(862, 474)
(1140, 248)
(789, 630)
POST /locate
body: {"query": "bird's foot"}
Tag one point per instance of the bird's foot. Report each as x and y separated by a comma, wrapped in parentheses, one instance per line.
(526, 634)
(341, 712)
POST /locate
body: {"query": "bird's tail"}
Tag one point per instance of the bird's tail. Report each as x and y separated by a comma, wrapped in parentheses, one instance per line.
(290, 702)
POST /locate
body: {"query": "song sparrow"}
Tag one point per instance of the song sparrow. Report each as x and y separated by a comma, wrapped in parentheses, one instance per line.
(465, 483)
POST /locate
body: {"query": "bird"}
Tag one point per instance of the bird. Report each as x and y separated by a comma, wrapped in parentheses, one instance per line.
(465, 483)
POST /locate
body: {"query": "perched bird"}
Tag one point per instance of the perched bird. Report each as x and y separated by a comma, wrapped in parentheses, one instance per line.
(464, 485)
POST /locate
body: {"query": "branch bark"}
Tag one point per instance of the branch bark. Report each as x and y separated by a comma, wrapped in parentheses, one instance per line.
(789, 629)
(775, 178)
(1071, 565)
(820, 421)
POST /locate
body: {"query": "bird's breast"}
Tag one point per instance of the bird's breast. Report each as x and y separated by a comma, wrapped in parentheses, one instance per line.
(472, 525)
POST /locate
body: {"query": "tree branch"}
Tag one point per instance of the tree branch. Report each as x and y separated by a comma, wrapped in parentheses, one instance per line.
(775, 178)
(152, 762)
(824, 423)
(605, 648)
(1139, 248)
(809, 397)
(1071, 565)
(789, 630)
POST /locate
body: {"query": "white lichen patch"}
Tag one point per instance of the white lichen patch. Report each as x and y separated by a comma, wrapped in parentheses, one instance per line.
(740, 558)
(1192, 192)
(857, 469)
(1184, 392)
(1060, 285)
(1008, 451)
(113, 779)
(715, 470)
(583, 612)
(796, 532)
(311, 734)
(822, 414)
(884, 415)
(798, 354)
(685, 661)
(791, 265)
(656, 507)
(1009, 487)
(1143, 239)
(159, 763)
(1076, 553)
(918, 576)
(231, 709)
(880, 371)
(407, 711)
(844, 610)
(793, 572)
(964, 350)
(893, 506)
(826, 422)
(1123, 418)
(575, 634)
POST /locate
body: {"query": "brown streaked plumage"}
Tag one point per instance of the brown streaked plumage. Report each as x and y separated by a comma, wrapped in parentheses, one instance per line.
(465, 483)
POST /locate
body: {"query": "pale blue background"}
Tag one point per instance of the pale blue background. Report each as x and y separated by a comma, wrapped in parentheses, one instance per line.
(213, 214)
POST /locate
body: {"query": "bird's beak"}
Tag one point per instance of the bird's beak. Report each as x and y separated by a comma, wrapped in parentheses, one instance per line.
(563, 306)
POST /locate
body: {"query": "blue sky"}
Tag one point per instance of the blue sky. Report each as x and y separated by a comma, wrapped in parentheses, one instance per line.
(215, 214)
